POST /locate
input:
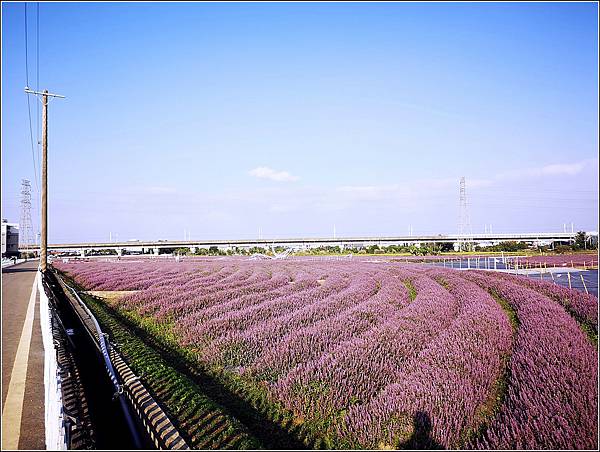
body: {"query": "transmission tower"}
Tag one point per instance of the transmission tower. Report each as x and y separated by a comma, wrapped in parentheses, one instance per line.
(25, 226)
(465, 237)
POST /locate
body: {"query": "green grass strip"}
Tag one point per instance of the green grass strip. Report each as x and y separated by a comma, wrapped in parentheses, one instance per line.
(183, 401)
(486, 412)
(412, 292)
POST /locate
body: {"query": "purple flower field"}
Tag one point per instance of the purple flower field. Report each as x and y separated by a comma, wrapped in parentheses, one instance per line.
(382, 354)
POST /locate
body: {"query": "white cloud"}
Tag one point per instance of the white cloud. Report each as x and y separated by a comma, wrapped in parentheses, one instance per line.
(557, 169)
(264, 172)
(568, 169)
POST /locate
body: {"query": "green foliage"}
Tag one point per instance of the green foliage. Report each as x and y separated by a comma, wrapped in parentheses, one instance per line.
(423, 249)
(563, 249)
(507, 246)
(326, 250)
(372, 249)
(212, 251)
(580, 239)
(257, 250)
(412, 292)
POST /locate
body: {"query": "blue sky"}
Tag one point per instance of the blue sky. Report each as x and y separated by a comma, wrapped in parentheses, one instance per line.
(220, 119)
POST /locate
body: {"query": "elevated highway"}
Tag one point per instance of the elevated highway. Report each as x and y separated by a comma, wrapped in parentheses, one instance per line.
(541, 238)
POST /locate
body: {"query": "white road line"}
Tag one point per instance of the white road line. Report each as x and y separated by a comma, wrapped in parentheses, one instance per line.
(13, 404)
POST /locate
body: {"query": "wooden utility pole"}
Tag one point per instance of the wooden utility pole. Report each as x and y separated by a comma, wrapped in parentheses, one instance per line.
(44, 225)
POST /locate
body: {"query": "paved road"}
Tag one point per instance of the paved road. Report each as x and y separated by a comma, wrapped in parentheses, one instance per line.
(17, 283)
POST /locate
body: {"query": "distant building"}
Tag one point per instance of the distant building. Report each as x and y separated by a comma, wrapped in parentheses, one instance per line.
(592, 238)
(10, 239)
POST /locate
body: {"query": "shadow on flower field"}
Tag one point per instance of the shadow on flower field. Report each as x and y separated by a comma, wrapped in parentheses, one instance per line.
(421, 437)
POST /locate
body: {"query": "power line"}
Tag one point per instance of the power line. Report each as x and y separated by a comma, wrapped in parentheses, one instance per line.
(37, 78)
(26, 55)
(36, 176)
(37, 88)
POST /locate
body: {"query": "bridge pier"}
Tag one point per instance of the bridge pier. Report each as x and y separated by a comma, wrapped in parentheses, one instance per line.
(82, 252)
(193, 249)
(119, 251)
(156, 250)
